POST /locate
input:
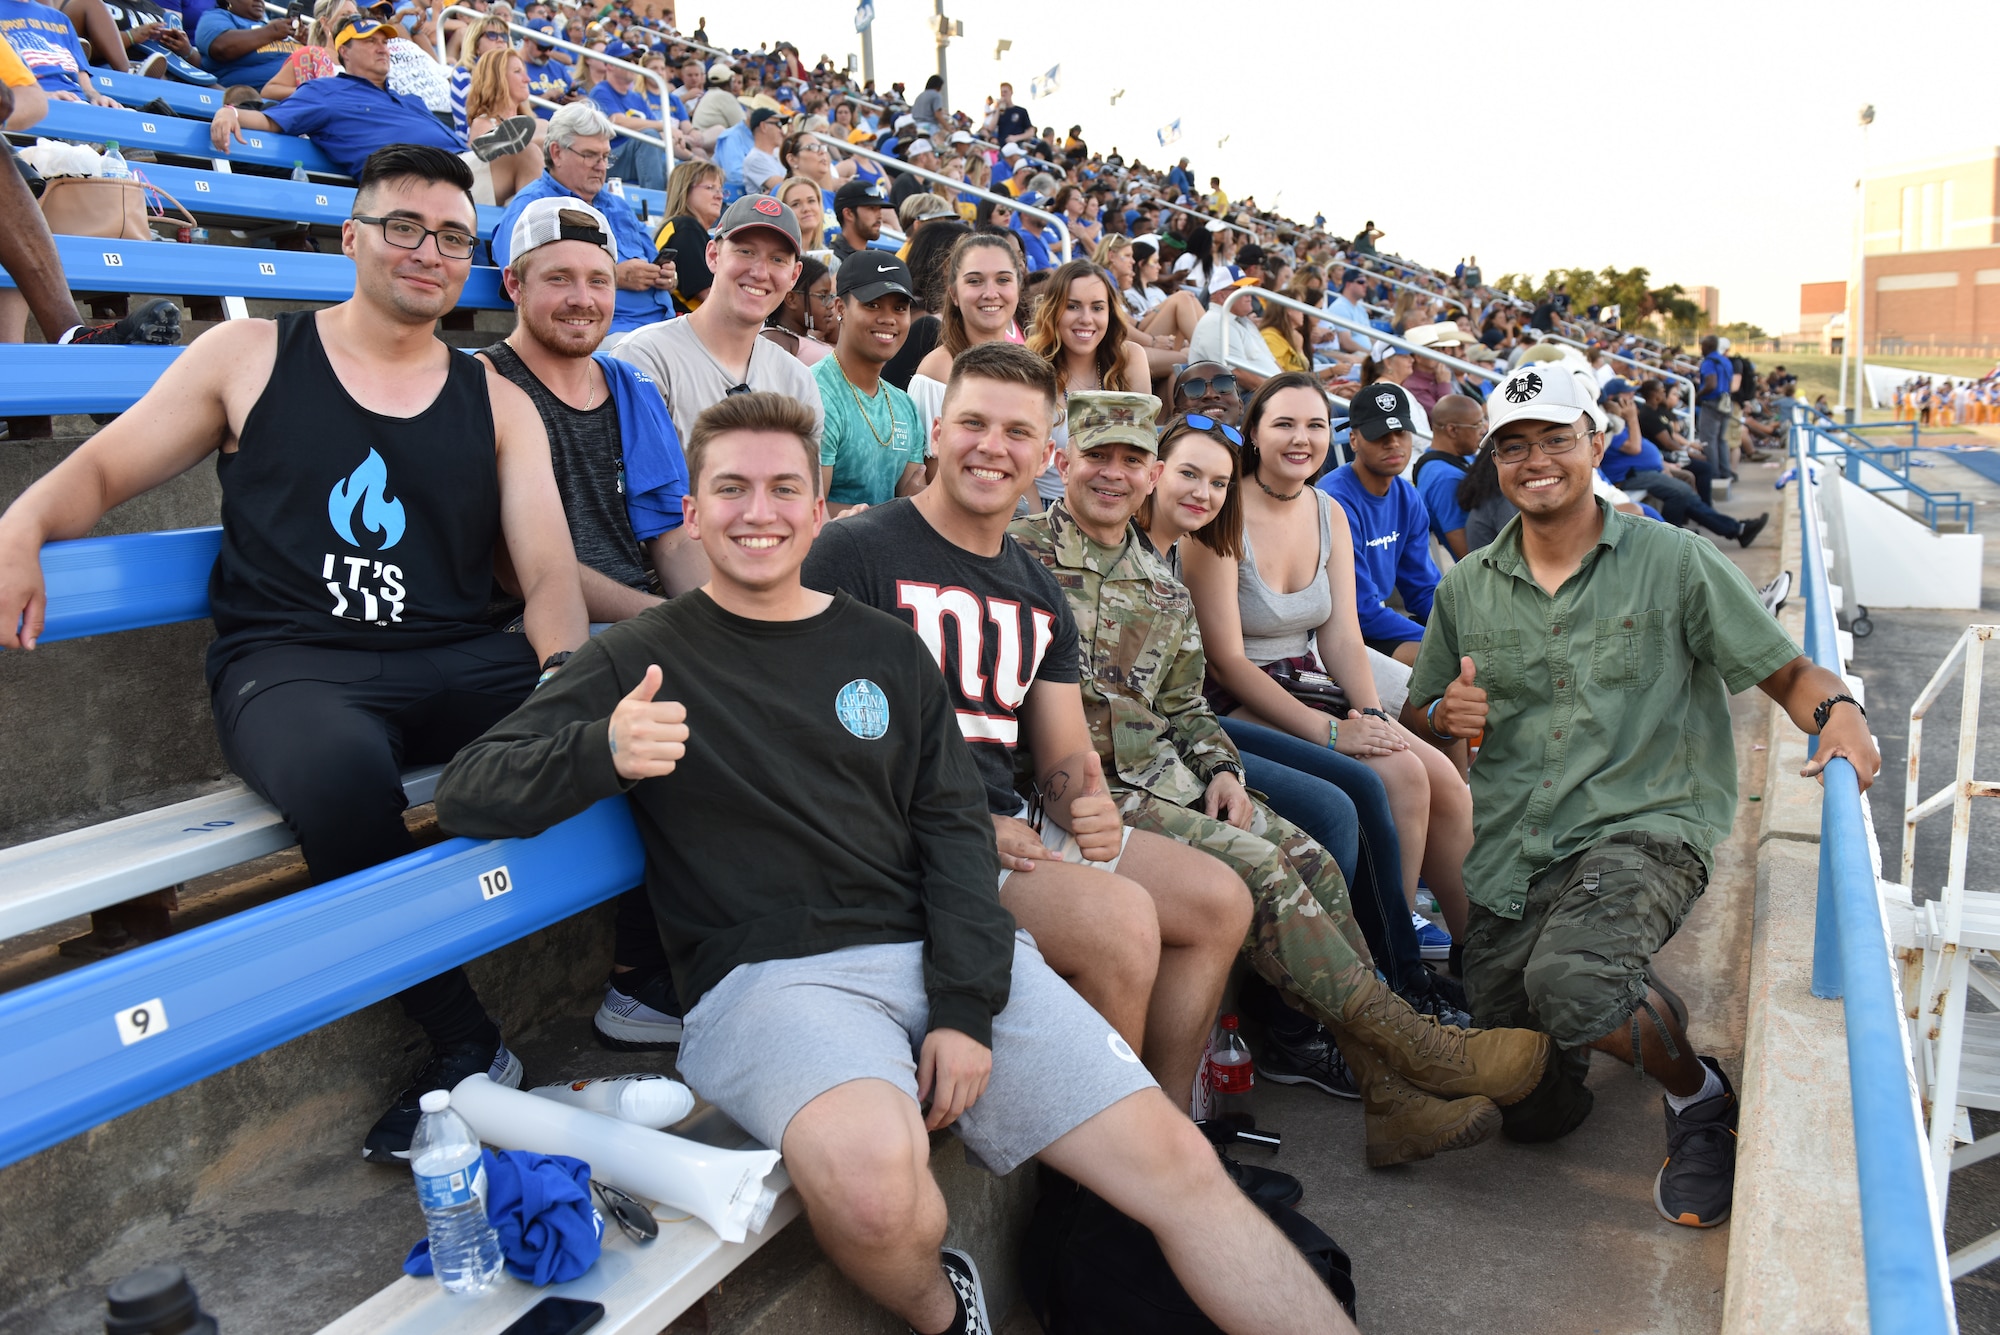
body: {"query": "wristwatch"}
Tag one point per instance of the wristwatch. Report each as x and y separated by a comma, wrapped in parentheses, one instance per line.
(1225, 767)
(1824, 709)
(1382, 714)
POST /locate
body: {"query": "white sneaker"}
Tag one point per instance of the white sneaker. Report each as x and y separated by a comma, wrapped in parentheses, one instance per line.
(642, 1020)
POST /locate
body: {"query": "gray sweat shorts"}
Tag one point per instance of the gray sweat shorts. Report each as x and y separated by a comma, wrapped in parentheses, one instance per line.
(773, 1036)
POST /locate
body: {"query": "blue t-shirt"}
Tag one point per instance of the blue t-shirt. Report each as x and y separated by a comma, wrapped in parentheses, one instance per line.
(546, 79)
(614, 103)
(1437, 484)
(255, 69)
(634, 310)
(1392, 553)
(1033, 248)
(46, 43)
(1618, 465)
(349, 118)
(1719, 366)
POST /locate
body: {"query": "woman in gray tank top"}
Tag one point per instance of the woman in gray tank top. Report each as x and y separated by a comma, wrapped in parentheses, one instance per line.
(1293, 590)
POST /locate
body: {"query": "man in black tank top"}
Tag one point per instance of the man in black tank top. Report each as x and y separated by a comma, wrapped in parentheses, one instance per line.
(368, 473)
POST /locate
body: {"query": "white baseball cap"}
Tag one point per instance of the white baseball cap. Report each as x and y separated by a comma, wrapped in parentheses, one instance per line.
(922, 146)
(1553, 391)
(721, 69)
(961, 137)
(560, 218)
(1012, 151)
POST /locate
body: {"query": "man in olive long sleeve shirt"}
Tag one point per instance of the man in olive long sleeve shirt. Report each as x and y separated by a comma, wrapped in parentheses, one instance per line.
(1597, 652)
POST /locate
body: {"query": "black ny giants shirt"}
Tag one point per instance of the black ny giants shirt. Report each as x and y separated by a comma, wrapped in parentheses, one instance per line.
(995, 624)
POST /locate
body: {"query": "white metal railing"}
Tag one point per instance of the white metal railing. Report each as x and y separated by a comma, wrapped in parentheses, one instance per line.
(662, 142)
(1197, 213)
(954, 187)
(1341, 322)
(1359, 262)
(1652, 372)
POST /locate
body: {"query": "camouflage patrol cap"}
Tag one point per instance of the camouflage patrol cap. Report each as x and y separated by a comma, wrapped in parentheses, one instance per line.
(1106, 416)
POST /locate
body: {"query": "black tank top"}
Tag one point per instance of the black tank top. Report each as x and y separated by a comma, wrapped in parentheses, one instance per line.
(348, 529)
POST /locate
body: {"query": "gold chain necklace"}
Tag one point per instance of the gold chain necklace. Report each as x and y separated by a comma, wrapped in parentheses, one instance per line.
(862, 408)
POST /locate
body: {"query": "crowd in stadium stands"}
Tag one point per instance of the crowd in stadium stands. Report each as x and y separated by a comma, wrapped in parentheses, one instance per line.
(1260, 633)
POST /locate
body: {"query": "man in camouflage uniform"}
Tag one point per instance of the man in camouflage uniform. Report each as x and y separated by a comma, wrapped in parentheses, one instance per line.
(1175, 772)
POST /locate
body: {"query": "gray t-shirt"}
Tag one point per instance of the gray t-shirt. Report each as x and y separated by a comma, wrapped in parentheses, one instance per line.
(691, 378)
(589, 459)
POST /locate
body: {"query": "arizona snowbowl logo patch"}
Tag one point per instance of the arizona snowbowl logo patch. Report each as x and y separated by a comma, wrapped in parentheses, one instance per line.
(862, 709)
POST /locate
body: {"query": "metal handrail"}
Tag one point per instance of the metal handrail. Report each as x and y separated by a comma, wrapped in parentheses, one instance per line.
(1197, 213)
(1340, 322)
(1354, 263)
(958, 187)
(665, 142)
(1902, 1237)
(1652, 372)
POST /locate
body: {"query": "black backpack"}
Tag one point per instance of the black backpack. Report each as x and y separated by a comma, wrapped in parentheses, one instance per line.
(1086, 1269)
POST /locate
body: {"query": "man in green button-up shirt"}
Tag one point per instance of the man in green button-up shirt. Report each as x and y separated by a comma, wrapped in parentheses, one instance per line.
(1597, 653)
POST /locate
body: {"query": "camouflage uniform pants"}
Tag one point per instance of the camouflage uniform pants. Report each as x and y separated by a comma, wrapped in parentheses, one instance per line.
(1303, 937)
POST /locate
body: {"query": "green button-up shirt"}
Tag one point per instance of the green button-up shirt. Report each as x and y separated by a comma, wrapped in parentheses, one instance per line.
(1142, 660)
(1607, 703)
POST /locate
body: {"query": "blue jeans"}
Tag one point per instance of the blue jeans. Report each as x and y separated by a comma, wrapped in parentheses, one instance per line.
(643, 165)
(1680, 502)
(1342, 804)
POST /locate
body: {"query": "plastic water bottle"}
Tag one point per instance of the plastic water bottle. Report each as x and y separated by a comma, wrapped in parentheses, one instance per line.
(299, 172)
(113, 164)
(1231, 1076)
(451, 1186)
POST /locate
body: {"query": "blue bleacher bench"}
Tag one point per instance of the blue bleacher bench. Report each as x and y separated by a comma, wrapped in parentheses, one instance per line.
(136, 90)
(37, 380)
(211, 194)
(165, 268)
(82, 122)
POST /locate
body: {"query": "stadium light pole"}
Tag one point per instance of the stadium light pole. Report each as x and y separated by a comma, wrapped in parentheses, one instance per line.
(1859, 331)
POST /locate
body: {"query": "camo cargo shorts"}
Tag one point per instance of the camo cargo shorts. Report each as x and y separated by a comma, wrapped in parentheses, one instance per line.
(1574, 964)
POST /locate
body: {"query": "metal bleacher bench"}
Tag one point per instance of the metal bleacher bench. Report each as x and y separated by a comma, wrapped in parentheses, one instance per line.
(87, 1046)
(98, 586)
(179, 136)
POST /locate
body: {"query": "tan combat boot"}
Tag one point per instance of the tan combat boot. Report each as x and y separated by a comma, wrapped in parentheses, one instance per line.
(1403, 1123)
(1503, 1064)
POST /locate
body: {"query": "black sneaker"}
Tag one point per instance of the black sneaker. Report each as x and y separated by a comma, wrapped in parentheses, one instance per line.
(1697, 1181)
(1266, 1186)
(508, 137)
(389, 1139)
(964, 1277)
(1313, 1060)
(1752, 527)
(1443, 999)
(157, 321)
(645, 1018)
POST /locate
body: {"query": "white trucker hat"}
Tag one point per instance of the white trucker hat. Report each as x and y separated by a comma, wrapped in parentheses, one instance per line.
(560, 218)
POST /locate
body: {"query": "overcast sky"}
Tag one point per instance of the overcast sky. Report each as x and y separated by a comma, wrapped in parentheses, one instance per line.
(1714, 146)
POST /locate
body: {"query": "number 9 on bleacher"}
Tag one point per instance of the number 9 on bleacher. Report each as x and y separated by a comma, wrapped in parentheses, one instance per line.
(141, 1021)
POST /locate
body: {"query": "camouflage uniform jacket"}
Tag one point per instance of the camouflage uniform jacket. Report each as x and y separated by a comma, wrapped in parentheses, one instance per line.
(1142, 659)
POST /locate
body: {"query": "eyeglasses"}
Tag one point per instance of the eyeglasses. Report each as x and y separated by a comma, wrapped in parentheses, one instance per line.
(632, 1218)
(453, 243)
(1514, 451)
(1200, 423)
(594, 157)
(1197, 387)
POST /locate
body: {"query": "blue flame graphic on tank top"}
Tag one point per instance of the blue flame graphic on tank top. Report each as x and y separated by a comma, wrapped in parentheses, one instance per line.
(366, 489)
(363, 588)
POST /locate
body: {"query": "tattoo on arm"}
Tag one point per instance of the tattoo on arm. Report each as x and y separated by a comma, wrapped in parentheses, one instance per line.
(1057, 785)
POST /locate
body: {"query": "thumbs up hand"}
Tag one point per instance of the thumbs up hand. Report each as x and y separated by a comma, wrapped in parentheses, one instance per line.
(1093, 817)
(648, 736)
(1462, 710)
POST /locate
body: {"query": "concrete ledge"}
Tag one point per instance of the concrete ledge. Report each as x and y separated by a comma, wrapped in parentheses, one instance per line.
(1795, 1259)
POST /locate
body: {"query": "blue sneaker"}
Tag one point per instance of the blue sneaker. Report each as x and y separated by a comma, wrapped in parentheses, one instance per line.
(1433, 941)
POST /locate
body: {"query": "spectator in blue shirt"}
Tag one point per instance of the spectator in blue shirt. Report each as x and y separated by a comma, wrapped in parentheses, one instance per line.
(642, 164)
(1180, 179)
(1031, 230)
(1711, 403)
(1392, 552)
(1632, 462)
(547, 76)
(238, 45)
(579, 153)
(48, 46)
(1458, 422)
(353, 113)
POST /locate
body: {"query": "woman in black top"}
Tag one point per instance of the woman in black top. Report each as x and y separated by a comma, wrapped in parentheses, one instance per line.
(694, 206)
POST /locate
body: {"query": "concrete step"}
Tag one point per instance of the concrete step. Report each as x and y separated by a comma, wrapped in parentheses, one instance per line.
(254, 1181)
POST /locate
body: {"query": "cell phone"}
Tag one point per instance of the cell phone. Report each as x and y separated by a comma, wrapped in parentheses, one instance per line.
(557, 1316)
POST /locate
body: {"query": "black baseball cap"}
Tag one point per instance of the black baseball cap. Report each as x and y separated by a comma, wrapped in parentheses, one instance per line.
(1377, 409)
(868, 274)
(857, 195)
(762, 114)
